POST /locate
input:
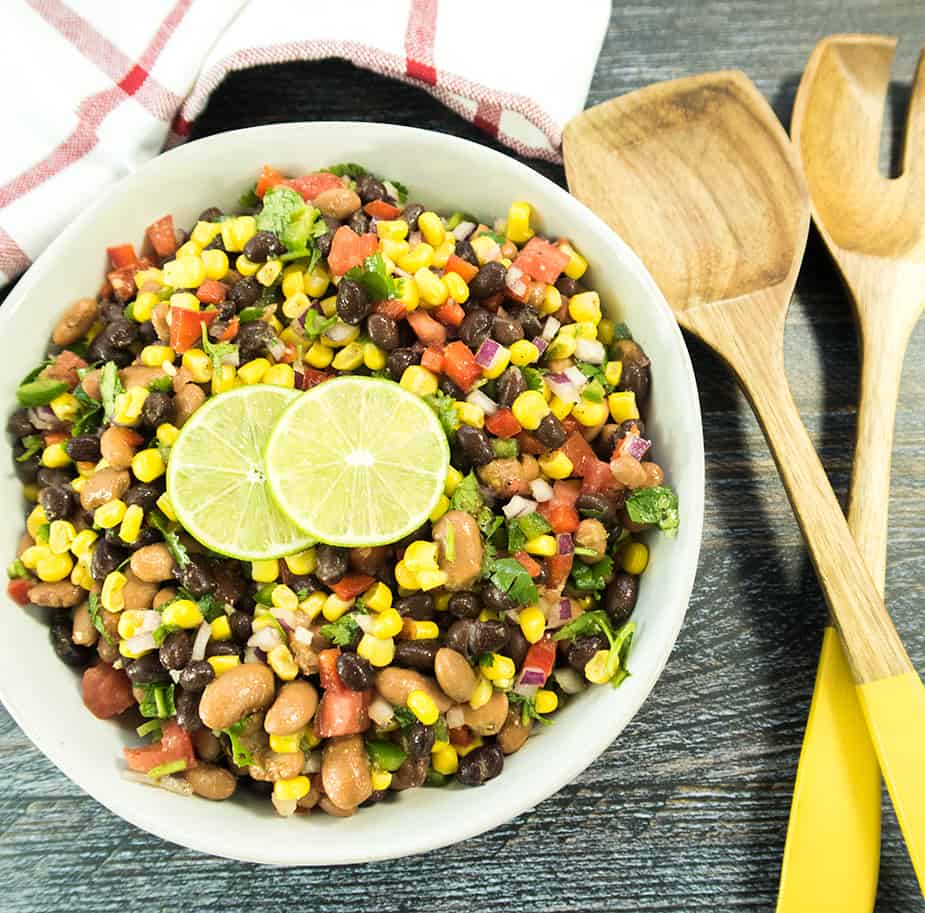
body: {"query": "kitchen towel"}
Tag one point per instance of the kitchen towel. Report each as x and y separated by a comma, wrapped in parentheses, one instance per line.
(105, 86)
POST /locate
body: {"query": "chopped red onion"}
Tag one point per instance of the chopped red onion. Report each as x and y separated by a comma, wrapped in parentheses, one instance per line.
(500, 226)
(455, 717)
(565, 609)
(44, 419)
(541, 490)
(250, 655)
(140, 643)
(415, 237)
(518, 507)
(550, 328)
(299, 380)
(302, 635)
(265, 639)
(150, 621)
(340, 332)
(590, 350)
(402, 274)
(463, 230)
(485, 403)
(576, 377)
(489, 354)
(278, 349)
(565, 543)
(540, 343)
(285, 808)
(286, 617)
(514, 280)
(526, 690)
(381, 712)
(568, 680)
(563, 388)
(365, 623)
(531, 675)
(635, 446)
(231, 358)
(174, 675)
(201, 641)
(373, 222)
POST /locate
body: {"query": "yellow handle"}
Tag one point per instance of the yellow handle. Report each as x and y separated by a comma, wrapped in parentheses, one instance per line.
(832, 852)
(895, 711)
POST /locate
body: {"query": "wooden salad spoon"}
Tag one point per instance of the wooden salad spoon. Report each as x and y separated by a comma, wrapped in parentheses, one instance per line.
(874, 228)
(699, 177)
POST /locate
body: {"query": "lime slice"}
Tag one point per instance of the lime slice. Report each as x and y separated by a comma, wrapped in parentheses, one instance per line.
(216, 479)
(358, 461)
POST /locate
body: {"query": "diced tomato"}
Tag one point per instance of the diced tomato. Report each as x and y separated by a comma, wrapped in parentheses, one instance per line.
(563, 518)
(558, 569)
(428, 330)
(18, 590)
(107, 692)
(343, 712)
(541, 260)
(379, 209)
(598, 477)
(541, 656)
(566, 492)
(327, 670)
(212, 291)
(579, 451)
(121, 255)
(231, 330)
(348, 249)
(460, 736)
(65, 368)
(104, 292)
(310, 186)
(312, 377)
(351, 585)
(289, 354)
(460, 365)
(461, 267)
(161, 237)
(450, 313)
(175, 745)
(432, 359)
(527, 563)
(55, 437)
(517, 289)
(529, 444)
(269, 177)
(186, 327)
(503, 424)
(391, 308)
(122, 281)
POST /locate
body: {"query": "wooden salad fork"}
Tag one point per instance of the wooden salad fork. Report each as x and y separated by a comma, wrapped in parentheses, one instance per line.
(874, 228)
(699, 177)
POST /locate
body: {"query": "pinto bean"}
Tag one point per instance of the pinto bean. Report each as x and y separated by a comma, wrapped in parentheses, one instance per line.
(207, 746)
(91, 384)
(211, 782)
(102, 486)
(490, 717)
(239, 692)
(75, 321)
(337, 202)
(395, 684)
(117, 447)
(60, 595)
(345, 772)
(329, 808)
(153, 563)
(186, 402)
(270, 766)
(592, 535)
(454, 674)
(137, 593)
(504, 477)
(82, 630)
(165, 594)
(655, 475)
(294, 706)
(513, 733)
(465, 562)
(139, 375)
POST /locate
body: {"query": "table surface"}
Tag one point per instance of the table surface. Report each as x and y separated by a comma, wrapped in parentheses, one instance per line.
(688, 809)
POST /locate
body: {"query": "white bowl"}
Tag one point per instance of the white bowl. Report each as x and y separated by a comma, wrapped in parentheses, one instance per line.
(43, 696)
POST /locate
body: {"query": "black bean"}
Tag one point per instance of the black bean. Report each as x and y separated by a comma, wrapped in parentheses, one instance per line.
(359, 222)
(27, 470)
(353, 304)
(528, 319)
(354, 671)
(196, 675)
(217, 243)
(144, 494)
(495, 598)
(377, 795)
(106, 558)
(176, 650)
(223, 648)
(517, 644)
(263, 246)
(487, 637)
(598, 507)
(19, 424)
(147, 670)
(262, 788)
(228, 581)
(331, 563)
(603, 444)
(636, 378)
(418, 740)
(85, 448)
(550, 432)
(255, 339)
(244, 293)
(620, 597)
(103, 350)
(568, 286)
(476, 327)
(323, 242)
(510, 385)
(57, 501)
(464, 605)
(488, 281)
(465, 251)
(241, 625)
(416, 654)
(411, 213)
(369, 189)
(400, 359)
(194, 577)
(449, 387)
(212, 214)
(459, 634)
(46, 477)
(506, 331)
(419, 606)
(157, 409)
(147, 335)
(120, 333)
(66, 650)
(146, 536)
(188, 711)
(580, 651)
(475, 444)
(383, 331)
(481, 765)
(632, 424)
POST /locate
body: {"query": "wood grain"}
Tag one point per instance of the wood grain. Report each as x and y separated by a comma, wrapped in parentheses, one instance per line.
(688, 810)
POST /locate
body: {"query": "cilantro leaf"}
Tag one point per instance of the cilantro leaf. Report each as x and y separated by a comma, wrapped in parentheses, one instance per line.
(445, 408)
(404, 717)
(158, 701)
(33, 444)
(346, 170)
(216, 350)
(592, 372)
(401, 192)
(521, 529)
(239, 753)
(341, 632)
(374, 277)
(249, 199)
(110, 387)
(16, 570)
(210, 607)
(161, 384)
(317, 324)
(280, 206)
(161, 631)
(528, 709)
(95, 617)
(293, 221)
(598, 622)
(171, 537)
(466, 497)
(510, 576)
(534, 378)
(90, 416)
(655, 505)
(592, 577)
(505, 448)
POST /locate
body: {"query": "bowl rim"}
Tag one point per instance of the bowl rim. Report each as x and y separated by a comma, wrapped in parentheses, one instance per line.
(529, 793)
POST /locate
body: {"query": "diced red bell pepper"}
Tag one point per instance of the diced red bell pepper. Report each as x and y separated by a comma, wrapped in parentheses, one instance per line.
(379, 209)
(563, 518)
(348, 249)
(541, 260)
(327, 670)
(121, 255)
(212, 291)
(451, 313)
(428, 330)
(541, 656)
(391, 308)
(107, 692)
(460, 365)
(312, 377)
(290, 353)
(55, 437)
(351, 585)
(175, 745)
(432, 359)
(65, 368)
(309, 186)
(529, 444)
(566, 492)
(186, 327)
(161, 237)
(579, 451)
(342, 712)
(461, 267)
(503, 424)
(527, 563)
(18, 590)
(104, 293)
(122, 281)
(269, 177)
(231, 330)
(598, 477)
(558, 569)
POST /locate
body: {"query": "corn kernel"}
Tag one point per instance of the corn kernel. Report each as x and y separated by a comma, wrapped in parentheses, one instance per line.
(623, 406)
(349, 358)
(524, 352)
(165, 506)
(204, 233)
(252, 372)
(281, 662)
(30, 492)
(563, 346)
(198, 364)
(381, 779)
(345, 334)
(187, 271)
(129, 623)
(148, 465)
(373, 357)
(541, 545)
(431, 580)
(291, 790)
(408, 293)
(215, 263)
(500, 362)
(482, 694)
(431, 227)
(421, 555)
(334, 607)
(485, 249)
(377, 652)
(440, 508)
(585, 307)
(530, 408)
(445, 760)
(432, 290)
(613, 371)
(378, 597)
(221, 628)
(224, 380)
(552, 300)
(144, 305)
(237, 232)
(190, 248)
(50, 568)
(405, 577)
(518, 223)
(412, 629)
(280, 375)
(501, 667)
(441, 601)
(319, 355)
(265, 571)
(293, 282)
(444, 251)
(302, 562)
(111, 595)
(285, 744)
(35, 553)
(392, 229)
(532, 621)
(393, 249)
(470, 414)
(184, 613)
(634, 558)
(185, 301)
(110, 514)
(329, 306)
(54, 456)
(81, 576)
(246, 267)
(155, 356)
(131, 523)
(388, 623)
(313, 604)
(545, 701)
(560, 408)
(221, 664)
(422, 705)
(419, 380)
(577, 265)
(316, 281)
(596, 668)
(269, 272)
(556, 465)
(82, 545)
(453, 478)
(61, 535)
(36, 519)
(65, 407)
(284, 597)
(457, 287)
(589, 413)
(489, 615)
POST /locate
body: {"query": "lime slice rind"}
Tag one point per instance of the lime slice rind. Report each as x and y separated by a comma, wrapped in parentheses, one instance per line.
(357, 461)
(216, 479)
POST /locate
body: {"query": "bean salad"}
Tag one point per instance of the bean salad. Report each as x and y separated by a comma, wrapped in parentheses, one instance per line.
(331, 678)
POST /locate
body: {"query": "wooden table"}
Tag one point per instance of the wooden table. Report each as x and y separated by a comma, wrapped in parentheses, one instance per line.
(688, 810)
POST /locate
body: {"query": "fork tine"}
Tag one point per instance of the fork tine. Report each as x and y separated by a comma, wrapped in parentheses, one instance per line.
(914, 142)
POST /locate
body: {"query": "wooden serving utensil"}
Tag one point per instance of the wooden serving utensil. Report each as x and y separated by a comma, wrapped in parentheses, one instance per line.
(875, 230)
(699, 177)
